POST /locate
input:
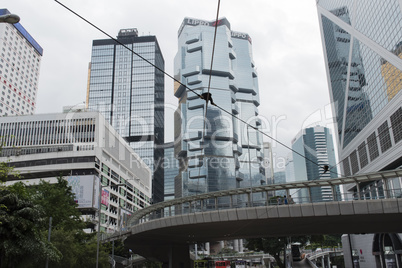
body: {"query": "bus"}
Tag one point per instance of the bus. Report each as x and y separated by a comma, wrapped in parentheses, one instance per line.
(239, 264)
(222, 264)
(201, 264)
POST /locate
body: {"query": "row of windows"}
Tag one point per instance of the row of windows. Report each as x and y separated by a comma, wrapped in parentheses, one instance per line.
(376, 144)
(48, 132)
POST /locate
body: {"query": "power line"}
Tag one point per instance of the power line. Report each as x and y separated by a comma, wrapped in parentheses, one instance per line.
(208, 95)
(200, 96)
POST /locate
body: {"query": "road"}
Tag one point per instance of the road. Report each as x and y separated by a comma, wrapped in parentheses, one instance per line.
(301, 264)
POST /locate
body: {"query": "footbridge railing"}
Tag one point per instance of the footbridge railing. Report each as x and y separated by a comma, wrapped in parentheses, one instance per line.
(263, 196)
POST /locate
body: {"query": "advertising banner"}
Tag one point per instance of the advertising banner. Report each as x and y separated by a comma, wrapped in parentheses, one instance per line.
(83, 186)
(105, 197)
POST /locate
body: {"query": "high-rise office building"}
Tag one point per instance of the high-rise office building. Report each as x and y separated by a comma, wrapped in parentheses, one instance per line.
(268, 163)
(362, 51)
(20, 58)
(129, 92)
(217, 153)
(171, 169)
(315, 149)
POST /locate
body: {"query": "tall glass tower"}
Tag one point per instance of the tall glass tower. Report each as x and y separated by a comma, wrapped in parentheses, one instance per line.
(363, 49)
(362, 43)
(129, 92)
(220, 152)
(316, 147)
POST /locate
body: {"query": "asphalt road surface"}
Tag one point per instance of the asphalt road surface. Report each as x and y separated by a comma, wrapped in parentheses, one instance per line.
(301, 264)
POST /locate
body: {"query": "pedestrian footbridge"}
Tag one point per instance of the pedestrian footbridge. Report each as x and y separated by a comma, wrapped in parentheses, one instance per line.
(168, 227)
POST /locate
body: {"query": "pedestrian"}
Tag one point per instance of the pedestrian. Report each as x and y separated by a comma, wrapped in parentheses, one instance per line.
(285, 199)
(290, 200)
(279, 200)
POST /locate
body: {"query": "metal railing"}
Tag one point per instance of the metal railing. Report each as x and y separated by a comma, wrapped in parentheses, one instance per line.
(262, 196)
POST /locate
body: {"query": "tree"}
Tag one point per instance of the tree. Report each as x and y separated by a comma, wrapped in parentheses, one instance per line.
(5, 169)
(21, 242)
(78, 248)
(274, 246)
(57, 201)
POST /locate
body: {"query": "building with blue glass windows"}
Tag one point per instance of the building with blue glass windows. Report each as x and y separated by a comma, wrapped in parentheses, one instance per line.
(313, 148)
(220, 152)
(129, 92)
(363, 50)
(171, 169)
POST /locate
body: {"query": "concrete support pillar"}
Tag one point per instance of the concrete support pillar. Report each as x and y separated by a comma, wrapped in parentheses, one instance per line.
(241, 248)
(386, 188)
(208, 252)
(236, 245)
(329, 261)
(322, 262)
(359, 194)
(179, 257)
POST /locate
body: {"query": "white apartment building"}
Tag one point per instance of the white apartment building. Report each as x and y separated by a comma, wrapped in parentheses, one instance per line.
(20, 58)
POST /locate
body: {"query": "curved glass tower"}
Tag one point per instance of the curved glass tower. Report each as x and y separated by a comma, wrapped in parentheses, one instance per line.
(220, 152)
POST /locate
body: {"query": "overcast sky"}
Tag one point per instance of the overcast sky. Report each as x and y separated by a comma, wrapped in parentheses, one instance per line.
(287, 51)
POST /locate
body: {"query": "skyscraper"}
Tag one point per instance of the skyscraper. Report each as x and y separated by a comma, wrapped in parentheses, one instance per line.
(362, 51)
(215, 152)
(316, 149)
(129, 92)
(171, 169)
(19, 69)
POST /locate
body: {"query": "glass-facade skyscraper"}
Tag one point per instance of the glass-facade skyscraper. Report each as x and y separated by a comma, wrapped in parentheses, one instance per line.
(129, 92)
(171, 169)
(220, 152)
(316, 149)
(362, 44)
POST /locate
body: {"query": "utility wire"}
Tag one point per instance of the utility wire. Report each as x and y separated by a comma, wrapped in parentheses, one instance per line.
(200, 96)
(208, 95)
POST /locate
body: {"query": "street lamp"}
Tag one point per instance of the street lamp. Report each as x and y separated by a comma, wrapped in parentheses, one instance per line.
(9, 18)
(99, 216)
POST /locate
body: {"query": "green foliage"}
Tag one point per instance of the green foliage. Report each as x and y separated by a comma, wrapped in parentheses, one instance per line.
(119, 249)
(227, 251)
(5, 169)
(77, 250)
(22, 242)
(324, 241)
(24, 223)
(57, 201)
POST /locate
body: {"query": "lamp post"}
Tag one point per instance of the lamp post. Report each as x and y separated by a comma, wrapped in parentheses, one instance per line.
(9, 18)
(99, 216)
